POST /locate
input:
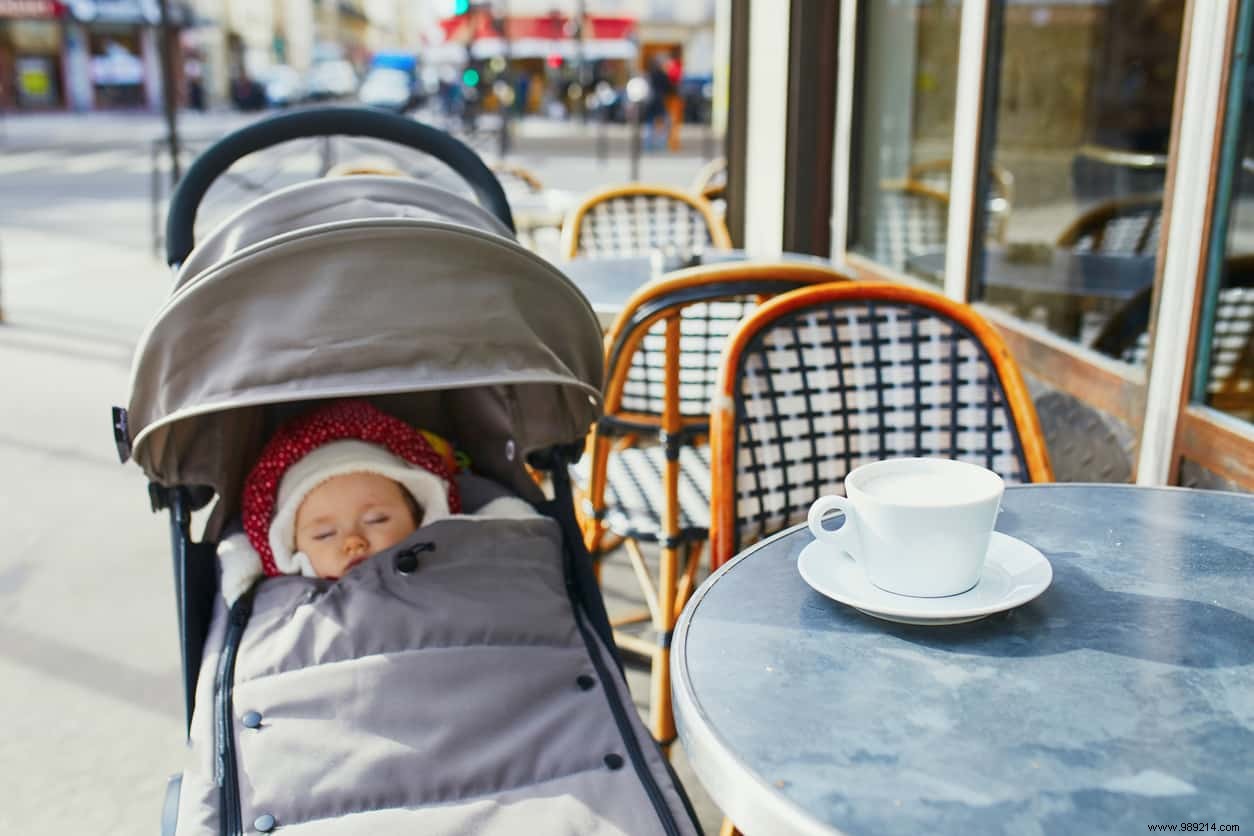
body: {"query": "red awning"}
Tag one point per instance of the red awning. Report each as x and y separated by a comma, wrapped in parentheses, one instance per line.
(30, 9)
(477, 25)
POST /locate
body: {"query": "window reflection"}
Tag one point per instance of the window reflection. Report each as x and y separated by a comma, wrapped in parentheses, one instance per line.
(903, 116)
(1081, 121)
(1225, 350)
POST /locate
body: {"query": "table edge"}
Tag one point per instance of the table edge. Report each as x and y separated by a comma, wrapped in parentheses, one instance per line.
(751, 803)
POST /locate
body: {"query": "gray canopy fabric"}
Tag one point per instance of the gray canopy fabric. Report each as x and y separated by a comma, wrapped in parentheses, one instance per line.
(456, 329)
(314, 202)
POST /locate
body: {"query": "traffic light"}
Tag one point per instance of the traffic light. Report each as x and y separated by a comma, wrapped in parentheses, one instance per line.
(470, 77)
(460, 7)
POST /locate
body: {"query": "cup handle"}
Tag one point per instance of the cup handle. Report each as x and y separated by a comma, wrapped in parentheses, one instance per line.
(839, 537)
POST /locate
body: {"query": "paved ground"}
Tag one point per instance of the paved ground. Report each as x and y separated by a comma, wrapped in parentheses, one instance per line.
(88, 651)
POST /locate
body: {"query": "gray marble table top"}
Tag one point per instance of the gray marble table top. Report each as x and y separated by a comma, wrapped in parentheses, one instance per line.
(1122, 697)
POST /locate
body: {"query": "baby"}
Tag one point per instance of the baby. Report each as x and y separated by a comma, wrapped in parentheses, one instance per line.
(334, 487)
(350, 517)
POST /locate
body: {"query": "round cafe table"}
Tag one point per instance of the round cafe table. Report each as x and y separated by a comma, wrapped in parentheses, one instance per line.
(1122, 697)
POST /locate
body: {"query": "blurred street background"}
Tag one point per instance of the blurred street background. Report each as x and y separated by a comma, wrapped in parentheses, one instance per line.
(103, 103)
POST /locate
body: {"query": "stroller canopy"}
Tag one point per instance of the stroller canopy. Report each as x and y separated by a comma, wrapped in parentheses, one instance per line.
(314, 202)
(362, 286)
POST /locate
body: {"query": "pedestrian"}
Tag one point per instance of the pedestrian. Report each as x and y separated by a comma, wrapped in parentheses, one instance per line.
(660, 88)
(674, 68)
(193, 71)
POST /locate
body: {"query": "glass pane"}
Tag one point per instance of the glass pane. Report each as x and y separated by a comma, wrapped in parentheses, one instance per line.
(907, 67)
(1225, 352)
(1081, 121)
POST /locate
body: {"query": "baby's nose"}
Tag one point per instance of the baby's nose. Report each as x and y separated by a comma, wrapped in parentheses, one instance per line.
(354, 545)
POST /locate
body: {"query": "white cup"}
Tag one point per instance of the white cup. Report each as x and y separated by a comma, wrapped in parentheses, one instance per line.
(917, 527)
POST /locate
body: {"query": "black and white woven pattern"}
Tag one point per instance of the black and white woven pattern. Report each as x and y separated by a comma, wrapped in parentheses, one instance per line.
(636, 224)
(635, 492)
(828, 388)
(1134, 231)
(1230, 344)
(703, 329)
(1234, 328)
(908, 223)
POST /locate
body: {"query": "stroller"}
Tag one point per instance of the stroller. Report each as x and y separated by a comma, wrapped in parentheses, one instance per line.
(484, 696)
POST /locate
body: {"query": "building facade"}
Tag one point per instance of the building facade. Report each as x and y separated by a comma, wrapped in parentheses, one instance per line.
(82, 55)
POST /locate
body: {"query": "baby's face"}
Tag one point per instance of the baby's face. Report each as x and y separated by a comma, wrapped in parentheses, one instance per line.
(348, 518)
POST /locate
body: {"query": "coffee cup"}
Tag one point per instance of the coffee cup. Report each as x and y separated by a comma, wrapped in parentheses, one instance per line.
(917, 527)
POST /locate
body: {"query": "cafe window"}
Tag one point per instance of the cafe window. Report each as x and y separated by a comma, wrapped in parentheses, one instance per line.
(906, 80)
(1223, 376)
(1080, 120)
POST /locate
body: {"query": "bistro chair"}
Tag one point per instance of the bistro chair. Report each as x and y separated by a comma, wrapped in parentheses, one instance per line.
(823, 379)
(636, 219)
(1125, 226)
(516, 178)
(646, 475)
(711, 183)
(1230, 387)
(911, 220)
(1001, 190)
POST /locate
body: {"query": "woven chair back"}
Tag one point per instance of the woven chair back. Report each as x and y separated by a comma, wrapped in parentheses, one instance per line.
(636, 220)
(911, 220)
(705, 305)
(1127, 226)
(823, 380)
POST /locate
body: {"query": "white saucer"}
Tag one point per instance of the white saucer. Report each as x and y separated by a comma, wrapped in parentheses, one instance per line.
(1014, 574)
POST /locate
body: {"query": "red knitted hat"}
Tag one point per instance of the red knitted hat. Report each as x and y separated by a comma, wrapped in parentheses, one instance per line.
(353, 419)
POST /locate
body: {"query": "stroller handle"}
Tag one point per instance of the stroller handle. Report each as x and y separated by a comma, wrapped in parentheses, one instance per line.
(323, 121)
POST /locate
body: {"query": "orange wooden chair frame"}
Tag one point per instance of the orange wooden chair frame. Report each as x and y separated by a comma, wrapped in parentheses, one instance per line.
(1098, 218)
(711, 180)
(674, 584)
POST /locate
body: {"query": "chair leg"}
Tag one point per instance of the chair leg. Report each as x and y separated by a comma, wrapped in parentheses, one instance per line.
(688, 580)
(647, 589)
(633, 617)
(662, 717)
(661, 714)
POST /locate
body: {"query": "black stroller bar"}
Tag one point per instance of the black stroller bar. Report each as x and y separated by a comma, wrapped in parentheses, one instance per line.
(195, 583)
(325, 122)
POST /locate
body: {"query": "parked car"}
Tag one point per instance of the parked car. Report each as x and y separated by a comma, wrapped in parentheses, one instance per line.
(284, 86)
(387, 88)
(332, 80)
